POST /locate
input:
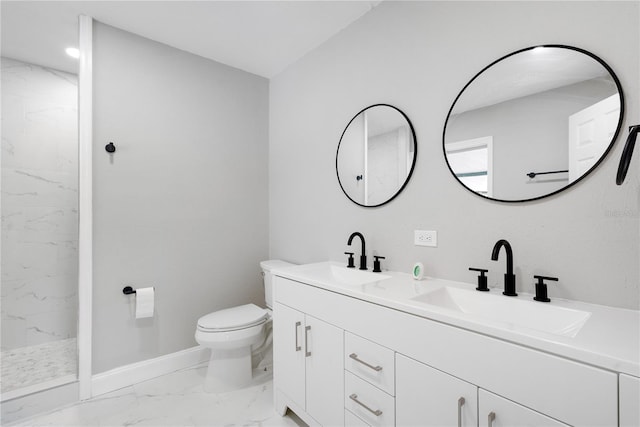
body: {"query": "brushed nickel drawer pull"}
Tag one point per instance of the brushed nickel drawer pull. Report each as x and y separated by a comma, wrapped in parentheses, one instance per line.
(298, 347)
(491, 418)
(375, 368)
(461, 402)
(354, 397)
(307, 353)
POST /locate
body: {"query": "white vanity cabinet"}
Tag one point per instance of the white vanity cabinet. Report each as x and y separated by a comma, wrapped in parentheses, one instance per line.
(309, 365)
(430, 398)
(495, 411)
(407, 370)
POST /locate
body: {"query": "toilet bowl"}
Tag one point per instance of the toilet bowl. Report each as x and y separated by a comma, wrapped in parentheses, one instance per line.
(232, 334)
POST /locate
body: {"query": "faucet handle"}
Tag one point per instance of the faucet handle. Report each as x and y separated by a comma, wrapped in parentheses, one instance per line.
(541, 288)
(482, 279)
(351, 263)
(376, 263)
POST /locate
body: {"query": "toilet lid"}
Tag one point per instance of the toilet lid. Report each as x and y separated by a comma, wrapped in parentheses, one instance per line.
(243, 316)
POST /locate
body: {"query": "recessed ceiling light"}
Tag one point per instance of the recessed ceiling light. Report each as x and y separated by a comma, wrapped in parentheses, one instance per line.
(73, 52)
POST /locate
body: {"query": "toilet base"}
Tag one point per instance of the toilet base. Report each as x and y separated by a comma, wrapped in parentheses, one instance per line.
(228, 370)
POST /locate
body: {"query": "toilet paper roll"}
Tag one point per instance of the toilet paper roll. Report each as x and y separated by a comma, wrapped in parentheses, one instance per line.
(145, 300)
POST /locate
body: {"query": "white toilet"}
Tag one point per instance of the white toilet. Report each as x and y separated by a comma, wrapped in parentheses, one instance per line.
(232, 333)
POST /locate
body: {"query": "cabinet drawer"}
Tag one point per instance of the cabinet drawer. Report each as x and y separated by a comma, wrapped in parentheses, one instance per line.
(494, 411)
(370, 361)
(351, 420)
(368, 402)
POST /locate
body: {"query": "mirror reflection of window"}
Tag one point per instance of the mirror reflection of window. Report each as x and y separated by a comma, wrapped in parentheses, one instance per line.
(472, 163)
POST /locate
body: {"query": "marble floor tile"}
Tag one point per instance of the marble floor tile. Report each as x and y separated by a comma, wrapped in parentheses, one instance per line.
(176, 399)
(26, 366)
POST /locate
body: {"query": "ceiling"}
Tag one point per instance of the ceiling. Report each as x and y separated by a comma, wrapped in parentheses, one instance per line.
(261, 37)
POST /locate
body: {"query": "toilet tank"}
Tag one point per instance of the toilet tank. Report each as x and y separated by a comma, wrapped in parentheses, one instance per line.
(267, 267)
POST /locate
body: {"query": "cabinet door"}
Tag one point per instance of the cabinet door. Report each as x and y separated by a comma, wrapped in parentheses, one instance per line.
(428, 397)
(629, 401)
(288, 353)
(323, 347)
(498, 412)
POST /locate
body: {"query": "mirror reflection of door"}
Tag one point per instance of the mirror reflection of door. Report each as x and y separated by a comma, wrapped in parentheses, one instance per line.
(352, 158)
(388, 155)
(590, 132)
(376, 155)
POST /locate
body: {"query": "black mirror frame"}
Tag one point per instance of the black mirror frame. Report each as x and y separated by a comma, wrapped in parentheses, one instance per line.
(413, 163)
(596, 164)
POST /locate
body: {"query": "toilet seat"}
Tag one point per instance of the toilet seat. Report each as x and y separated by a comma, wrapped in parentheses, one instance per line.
(233, 319)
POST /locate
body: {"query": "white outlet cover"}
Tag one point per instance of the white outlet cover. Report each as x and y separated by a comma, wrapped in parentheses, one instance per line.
(425, 238)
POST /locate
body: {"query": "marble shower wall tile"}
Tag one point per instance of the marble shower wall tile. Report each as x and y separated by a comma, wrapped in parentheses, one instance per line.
(39, 204)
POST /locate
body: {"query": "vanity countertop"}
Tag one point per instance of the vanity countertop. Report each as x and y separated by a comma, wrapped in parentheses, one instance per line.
(609, 339)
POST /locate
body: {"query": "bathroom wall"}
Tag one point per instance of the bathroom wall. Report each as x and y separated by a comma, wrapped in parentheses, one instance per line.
(39, 204)
(182, 204)
(417, 56)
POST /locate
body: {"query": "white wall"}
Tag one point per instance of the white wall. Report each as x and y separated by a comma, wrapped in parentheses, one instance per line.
(182, 203)
(39, 204)
(417, 56)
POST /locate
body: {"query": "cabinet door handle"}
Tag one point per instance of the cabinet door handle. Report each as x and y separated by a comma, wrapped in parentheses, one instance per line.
(375, 368)
(307, 353)
(376, 412)
(460, 404)
(298, 347)
(492, 417)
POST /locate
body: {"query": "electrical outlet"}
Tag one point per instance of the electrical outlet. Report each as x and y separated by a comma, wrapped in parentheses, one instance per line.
(425, 238)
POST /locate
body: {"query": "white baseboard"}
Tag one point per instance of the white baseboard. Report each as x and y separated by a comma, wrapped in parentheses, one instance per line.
(134, 373)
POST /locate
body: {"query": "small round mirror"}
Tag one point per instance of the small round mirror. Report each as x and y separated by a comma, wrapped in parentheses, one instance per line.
(376, 155)
(533, 123)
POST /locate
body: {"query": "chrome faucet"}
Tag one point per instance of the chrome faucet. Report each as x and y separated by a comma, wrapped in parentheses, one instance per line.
(509, 277)
(363, 256)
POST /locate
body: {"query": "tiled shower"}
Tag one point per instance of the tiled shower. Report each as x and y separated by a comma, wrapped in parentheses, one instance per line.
(39, 226)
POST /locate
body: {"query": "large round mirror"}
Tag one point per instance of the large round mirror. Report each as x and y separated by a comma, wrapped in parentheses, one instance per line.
(533, 123)
(376, 155)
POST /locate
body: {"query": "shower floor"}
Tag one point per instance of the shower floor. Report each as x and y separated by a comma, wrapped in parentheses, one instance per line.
(36, 364)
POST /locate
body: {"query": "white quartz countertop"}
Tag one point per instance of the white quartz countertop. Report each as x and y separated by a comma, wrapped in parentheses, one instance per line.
(609, 339)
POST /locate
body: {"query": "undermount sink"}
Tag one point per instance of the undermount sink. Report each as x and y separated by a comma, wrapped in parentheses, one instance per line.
(525, 314)
(351, 276)
(335, 274)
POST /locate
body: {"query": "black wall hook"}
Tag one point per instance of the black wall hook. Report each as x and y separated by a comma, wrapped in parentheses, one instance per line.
(128, 290)
(627, 152)
(110, 148)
